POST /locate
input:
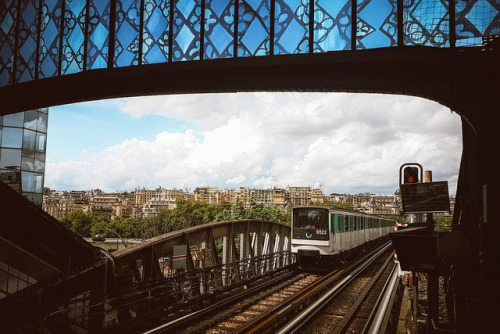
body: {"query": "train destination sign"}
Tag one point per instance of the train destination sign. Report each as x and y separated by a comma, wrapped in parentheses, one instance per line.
(425, 197)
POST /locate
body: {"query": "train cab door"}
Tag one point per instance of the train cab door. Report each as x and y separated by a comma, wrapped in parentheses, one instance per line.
(340, 235)
(348, 234)
(339, 229)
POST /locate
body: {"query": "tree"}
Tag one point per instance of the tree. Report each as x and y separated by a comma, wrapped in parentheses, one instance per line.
(238, 210)
(442, 223)
(336, 205)
(79, 222)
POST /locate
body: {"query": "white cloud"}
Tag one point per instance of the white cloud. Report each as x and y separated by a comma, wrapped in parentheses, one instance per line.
(345, 142)
(236, 180)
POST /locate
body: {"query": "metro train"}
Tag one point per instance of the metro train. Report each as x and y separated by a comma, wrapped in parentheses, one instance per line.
(322, 237)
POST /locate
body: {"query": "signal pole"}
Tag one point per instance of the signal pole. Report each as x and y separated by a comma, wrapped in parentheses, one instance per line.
(432, 277)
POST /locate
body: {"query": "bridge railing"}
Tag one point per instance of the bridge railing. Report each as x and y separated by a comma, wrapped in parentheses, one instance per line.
(47, 38)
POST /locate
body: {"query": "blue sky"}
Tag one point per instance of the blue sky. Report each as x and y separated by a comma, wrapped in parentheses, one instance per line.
(99, 124)
(347, 143)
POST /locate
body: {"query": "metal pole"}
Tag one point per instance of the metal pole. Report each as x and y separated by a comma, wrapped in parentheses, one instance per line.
(432, 278)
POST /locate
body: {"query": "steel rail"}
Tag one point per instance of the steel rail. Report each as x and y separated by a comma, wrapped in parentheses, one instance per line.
(271, 316)
(349, 317)
(291, 302)
(378, 313)
(169, 326)
(299, 321)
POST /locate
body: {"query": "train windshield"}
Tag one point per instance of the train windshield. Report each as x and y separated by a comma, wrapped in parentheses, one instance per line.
(310, 218)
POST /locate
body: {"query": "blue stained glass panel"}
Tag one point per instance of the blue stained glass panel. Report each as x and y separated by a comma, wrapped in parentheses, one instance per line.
(475, 19)
(48, 60)
(156, 29)
(127, 32)
(98, 34)
(8, 13)
(376, 25)
(186, 30)
(73, 37)
(332, 25)
(219, 29)
(254, 22)
(26, 42)
(426, 22)
(291, 26)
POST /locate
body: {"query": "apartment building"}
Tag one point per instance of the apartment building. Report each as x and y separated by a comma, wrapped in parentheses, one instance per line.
(145, 202)
(114, 205)
(60, 203)
(209, 195)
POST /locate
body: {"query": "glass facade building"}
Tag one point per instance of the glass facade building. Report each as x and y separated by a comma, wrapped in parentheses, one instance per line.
(23, 142)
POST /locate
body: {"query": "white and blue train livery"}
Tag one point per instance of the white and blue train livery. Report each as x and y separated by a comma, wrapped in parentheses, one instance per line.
(322, 236)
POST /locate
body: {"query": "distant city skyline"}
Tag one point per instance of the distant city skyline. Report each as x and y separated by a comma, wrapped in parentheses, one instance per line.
(348, 143)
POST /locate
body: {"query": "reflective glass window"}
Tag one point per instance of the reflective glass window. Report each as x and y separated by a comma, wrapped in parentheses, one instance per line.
(219, 29)
(73, 36)
(27, 27)
(156, 31)
(8, 14)
(28, 164)
(38, 182)
(30, 119)
(376, 24)
(27, 181)
(1, 120)
(474, 19)
(16, 119)
(37, 199)
(10, 158)
(48, 61)
(29, 141)
(186, 30)
(11, 177)
(1, 129)
(42, 122)
(254, 21)
(40, 142)
(127, 27)
(332, 25)
(426, 22)
(12, 138)
(291, 26)
(98, 34)
(40, 162)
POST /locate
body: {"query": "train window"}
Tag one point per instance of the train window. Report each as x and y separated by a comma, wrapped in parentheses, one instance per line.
(346, 223)
(334, 223)
(310, 218)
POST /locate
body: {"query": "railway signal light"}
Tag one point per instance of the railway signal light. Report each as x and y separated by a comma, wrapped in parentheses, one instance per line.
(410, 175)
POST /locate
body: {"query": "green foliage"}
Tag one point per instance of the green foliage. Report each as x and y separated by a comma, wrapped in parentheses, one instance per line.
(88, 225)
(261, 212)
(335, 205)
(188, 213)
(442, 223)
(79, 222)
(238, 211)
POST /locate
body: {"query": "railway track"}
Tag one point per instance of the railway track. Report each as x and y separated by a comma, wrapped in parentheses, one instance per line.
(356, 304)
(291, 304)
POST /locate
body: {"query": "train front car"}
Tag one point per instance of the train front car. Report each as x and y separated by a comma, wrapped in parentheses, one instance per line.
(311, 237)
